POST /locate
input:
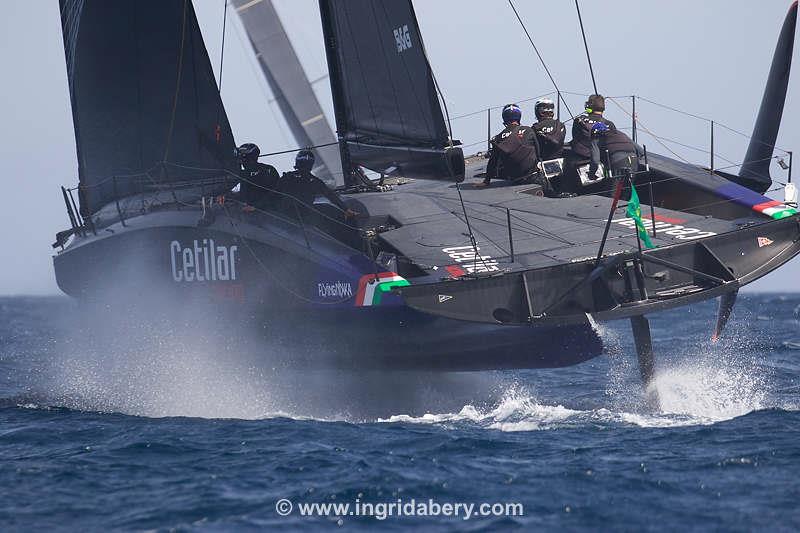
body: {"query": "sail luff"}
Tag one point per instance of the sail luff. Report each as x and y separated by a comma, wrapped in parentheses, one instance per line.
(146, 110)
(388, 115)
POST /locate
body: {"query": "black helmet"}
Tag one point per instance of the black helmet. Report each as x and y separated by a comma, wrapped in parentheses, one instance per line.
(248, 152)
(545, 108)
(304, 160)
(595, 104)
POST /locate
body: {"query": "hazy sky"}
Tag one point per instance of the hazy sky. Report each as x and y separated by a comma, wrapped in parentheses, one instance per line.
(709, 58)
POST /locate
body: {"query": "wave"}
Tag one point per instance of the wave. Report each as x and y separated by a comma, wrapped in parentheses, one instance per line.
(707, 387)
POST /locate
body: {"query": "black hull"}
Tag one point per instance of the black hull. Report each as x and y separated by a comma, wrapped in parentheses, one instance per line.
(619, 286)
(276, 295)
(300, 284)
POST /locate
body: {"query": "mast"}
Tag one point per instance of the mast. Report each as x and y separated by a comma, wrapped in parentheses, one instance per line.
(337, 91)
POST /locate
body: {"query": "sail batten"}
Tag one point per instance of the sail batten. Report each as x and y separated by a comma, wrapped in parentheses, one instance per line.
(146, 109)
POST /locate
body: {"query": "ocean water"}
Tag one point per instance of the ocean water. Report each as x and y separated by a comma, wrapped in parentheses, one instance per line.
(154, 432)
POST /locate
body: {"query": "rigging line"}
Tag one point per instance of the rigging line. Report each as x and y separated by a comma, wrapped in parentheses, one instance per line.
(641, 124)
(438, 89)
(222, 48)
(270, 273)
(586, 46)
(500, 221)
(483, 111)
(695, 148)
(469, 229)
(541, 60)
(723, 126)
(301, 148)
(177, 82)
(659, 139)
(273, 191)
(698, 117)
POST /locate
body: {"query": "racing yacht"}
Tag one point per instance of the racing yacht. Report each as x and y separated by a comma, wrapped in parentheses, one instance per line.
(433, 273)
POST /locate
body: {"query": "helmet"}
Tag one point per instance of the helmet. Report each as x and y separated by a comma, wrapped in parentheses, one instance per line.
(596, 103)
(511, 113)
(545, 108)
(304, 160)
(599, 128)
(248, 152)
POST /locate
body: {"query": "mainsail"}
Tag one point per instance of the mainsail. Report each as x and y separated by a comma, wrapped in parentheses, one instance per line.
(145, 104)
(289, 84)
(388, 114)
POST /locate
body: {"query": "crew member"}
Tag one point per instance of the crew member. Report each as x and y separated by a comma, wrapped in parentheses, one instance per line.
(582, 127)
(258, 180)
(620, 148)
(581, 144)
(550, 132)
(304, 186)
(513, 153)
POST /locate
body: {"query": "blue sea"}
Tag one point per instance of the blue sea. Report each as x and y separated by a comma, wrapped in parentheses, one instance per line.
(152, 432)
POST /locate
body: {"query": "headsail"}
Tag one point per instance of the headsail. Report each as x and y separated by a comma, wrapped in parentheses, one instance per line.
(143, 93)
(289, 83)
(388, 114)
(754, 173)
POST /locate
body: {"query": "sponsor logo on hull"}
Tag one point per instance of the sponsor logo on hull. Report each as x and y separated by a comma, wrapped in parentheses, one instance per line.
(337, 289)
(203, 261)
(677, 231)
(373, 287)
(471, 262)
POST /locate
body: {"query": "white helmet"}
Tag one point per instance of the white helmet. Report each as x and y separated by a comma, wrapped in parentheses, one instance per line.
(544, 106)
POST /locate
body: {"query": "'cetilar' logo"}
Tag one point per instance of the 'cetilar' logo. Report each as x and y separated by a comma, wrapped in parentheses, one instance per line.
(202, 261)
(372, 287)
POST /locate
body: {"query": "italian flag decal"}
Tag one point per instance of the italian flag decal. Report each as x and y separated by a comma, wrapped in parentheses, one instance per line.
(371, 290)
(775, 209)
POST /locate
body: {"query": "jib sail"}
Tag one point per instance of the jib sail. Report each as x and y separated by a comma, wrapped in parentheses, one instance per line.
(388, 114)
(289, 84)
(145, 104)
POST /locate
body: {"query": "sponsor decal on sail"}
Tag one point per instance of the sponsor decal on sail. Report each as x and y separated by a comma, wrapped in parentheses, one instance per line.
(444, 297)
(763, 241)
(373, 287)
(402, 38)
(203, 261)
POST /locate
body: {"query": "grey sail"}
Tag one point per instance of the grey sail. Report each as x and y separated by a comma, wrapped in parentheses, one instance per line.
(388, 114)
(289, 84)
(145, 105)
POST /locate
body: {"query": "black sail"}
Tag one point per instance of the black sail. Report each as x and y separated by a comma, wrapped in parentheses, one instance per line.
(754, 173)
(145, 104)
(289, 84)
(388, 114)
